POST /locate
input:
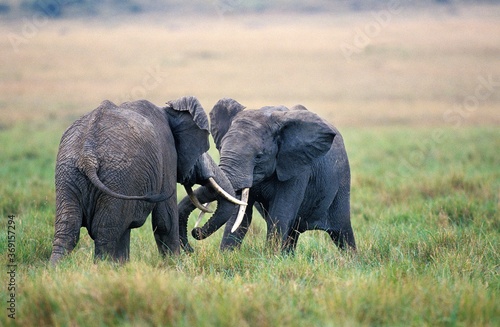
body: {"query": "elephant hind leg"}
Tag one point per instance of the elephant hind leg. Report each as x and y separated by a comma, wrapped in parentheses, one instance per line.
(111, 236)
(117, 250)
(122, 251)
(67, 227)
(166, 227)
(339, 221)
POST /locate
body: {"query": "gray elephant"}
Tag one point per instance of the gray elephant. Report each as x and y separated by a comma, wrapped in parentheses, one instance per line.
(117, 164)
(290, 164)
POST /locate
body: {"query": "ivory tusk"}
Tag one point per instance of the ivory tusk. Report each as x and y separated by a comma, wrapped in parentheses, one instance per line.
(224, 193)
(200, 216)
(195, 201)
(243, 208)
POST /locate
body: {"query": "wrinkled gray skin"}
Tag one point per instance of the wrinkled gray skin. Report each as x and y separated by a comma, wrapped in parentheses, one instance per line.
(296, 167)
(206, 194)
(117, 164)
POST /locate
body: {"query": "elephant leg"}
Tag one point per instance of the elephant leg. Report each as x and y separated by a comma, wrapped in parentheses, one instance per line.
(343, 238)
(116, 249)
(280, 232)
(68, 222)
(231, 241)
(165, 221)
(290, 242)
(122, 252)
(107, 228)
(340, 229)
(283, 210)
(107, 244)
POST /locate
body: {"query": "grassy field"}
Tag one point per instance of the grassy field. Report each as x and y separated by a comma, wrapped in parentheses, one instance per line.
(417, 102)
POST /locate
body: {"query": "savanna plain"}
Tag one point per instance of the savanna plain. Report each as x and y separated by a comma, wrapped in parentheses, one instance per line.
(417, 99)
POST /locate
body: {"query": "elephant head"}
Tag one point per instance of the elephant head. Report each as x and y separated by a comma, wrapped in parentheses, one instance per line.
(194, 165)
(189, 125)
(256, 145)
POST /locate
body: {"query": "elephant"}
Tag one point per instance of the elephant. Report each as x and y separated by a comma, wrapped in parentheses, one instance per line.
(117, 164)
(290, 164)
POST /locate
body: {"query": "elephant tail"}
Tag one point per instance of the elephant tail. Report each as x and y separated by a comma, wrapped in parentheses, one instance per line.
(151, 197)
(88, 164)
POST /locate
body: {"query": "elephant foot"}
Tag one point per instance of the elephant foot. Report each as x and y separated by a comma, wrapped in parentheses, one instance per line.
(186, 247)
(58, 252)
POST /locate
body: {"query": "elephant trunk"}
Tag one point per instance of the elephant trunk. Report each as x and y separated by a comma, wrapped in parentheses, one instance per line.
(225, 208)
(223, 213)
(208, 193)
(185, 207)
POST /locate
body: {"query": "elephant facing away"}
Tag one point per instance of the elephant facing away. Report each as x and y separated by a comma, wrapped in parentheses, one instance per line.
(117, 164)
(291, 164)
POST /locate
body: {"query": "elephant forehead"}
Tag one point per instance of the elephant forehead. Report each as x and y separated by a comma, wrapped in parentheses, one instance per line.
(253, 122)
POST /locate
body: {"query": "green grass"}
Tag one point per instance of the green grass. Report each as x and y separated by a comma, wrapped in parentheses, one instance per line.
(427, 232)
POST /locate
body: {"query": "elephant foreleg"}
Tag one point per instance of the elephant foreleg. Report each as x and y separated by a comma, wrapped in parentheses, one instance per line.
(290, 241)
(280, 235)
(281, 220)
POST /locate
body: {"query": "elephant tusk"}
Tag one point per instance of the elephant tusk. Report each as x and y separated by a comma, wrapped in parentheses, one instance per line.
(195, 201)
(225, 194)
(200, 216)
(243, 208)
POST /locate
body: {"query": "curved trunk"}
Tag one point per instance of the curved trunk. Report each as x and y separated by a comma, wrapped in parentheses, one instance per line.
(232, 172)
(225, 209)
(224, 212)
(186, 206)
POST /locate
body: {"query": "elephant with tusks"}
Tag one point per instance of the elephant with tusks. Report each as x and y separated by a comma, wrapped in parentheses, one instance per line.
(290, 164)
(118, 164)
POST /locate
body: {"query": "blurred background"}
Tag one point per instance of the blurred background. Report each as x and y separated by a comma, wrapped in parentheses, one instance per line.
(356, 62)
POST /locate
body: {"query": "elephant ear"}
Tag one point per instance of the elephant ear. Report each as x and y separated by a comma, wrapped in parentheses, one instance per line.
(189, 124)
(298, 107)
(221, 118)
(193, 106)
(302, 138)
